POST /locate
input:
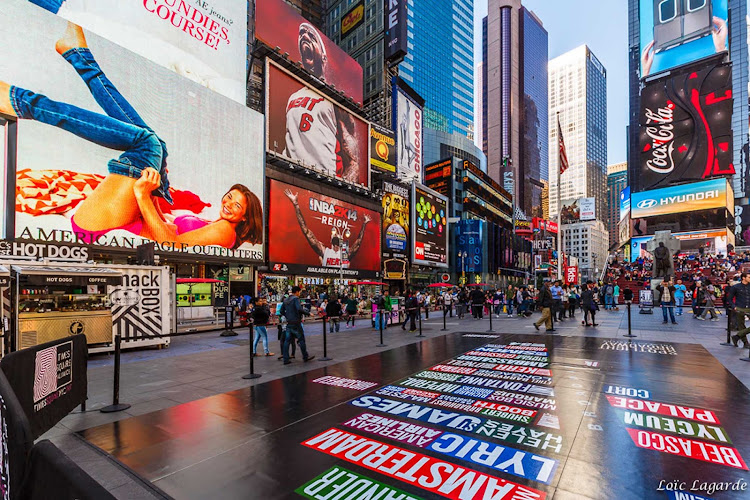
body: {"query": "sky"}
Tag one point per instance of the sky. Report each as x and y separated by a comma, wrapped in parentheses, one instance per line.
(603, 26)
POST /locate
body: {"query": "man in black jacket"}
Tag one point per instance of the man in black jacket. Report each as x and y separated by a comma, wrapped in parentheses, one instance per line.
(546, 303)
(333, 311)
(477, 303)
(738, 301)
(292, 310)
(588, 304)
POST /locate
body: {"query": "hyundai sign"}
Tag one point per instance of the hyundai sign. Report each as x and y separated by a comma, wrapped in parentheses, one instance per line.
(715, 193)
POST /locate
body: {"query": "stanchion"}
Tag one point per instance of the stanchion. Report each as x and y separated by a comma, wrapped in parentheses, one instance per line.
(252, 373)
(729, 329)
(380, 324)
(419, 312)
(551, 331)
(490, 330)
(228, 322)
(630, 331)
(116, 405)
(444, 329)
(325, 342)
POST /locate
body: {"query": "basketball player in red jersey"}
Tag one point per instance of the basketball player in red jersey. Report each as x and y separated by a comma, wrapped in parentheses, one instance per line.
(318, 132)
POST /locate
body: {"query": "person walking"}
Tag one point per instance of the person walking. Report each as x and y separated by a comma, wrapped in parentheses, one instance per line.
(572, 302)
(477, 303)
(260, 316)
(546, 302)
(510, 298)
(350, 306)
(556, 291)
(333, 311)
(411, 305)
(738, 301)
(616, 297)
(698, 293)
(588, 304)
(447, 303)
(292, 310)
(709, 304)
(666, 291)
(679, 297)
(564, 300)
(609, 296)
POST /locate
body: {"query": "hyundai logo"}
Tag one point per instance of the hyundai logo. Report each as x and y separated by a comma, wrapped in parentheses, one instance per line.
(645, 204)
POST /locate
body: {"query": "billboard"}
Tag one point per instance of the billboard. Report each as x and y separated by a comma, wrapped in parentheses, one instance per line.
(677, 32)
(571, 211)
(279, 25)
(430, 223)
(352, 19)
(395, 220)
(407, 115)
(382, 149)
(204, 42)
(538, 224)
(469, 245)
(313, 131)
(624, 202)
(588, 208)
(313, 234)
(76, 184)
(686, 128)
(438, 176)
(395, 21)
(715, 193)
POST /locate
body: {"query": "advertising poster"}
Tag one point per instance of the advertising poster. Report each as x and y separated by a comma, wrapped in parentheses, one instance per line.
(311, 130)
(588, 208)
(279, 25)
(382, 149)
(430, 233)
(438, 176)
(310, 233)
(624, 202)
(395, 220)
(167, 170)
(469, 245)
(395, 23)
(686, 128)
(352, 19)
(570, 213)
(706, 195)
(205, 42)
(409, 124)
(677, 32)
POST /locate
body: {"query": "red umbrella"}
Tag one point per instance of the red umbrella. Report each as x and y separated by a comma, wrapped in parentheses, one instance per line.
(439, 285)
(369, 283)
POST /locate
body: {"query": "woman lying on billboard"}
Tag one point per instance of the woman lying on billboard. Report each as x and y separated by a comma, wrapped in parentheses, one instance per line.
(125, 199)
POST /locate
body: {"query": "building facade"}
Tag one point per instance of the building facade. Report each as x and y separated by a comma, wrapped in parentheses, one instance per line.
(514, 98)
(587, 241)
(578, 99)
(617, 180)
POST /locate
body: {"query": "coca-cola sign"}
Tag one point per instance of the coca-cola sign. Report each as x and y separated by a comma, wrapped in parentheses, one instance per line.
(686, 128)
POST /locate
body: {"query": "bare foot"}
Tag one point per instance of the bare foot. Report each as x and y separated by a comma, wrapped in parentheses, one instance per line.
(72, 39)
(5, 107)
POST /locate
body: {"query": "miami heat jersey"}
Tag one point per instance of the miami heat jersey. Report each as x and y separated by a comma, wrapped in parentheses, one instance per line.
(311, 130)
(331, 258)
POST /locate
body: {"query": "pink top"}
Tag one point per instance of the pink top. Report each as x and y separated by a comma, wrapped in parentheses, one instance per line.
(187, 223)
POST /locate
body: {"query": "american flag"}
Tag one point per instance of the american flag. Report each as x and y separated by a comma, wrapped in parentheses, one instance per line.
(562, 155)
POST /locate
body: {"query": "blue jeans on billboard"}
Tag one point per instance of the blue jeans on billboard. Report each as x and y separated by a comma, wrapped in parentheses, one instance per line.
(679, 302)
(295, 332)
(50, 5)
(260, 333)
(667, 306)
(121, 129)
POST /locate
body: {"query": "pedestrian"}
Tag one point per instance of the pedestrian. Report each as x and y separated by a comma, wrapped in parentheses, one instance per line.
(546, 303)
(679, 297)
(709, 303)
(738, 300)
(351, 310)
(698, 292)
(666, 291)
(411, 305)
(556, 291)
(426, 304)
(260, 315)
(609, 296)
(588, 304)
(510, 297)
(463, 303)
(333, 311)
(572, 302)
(292, 310)
(616, 296)
(564, 297)
(447, 303)
(477, 302)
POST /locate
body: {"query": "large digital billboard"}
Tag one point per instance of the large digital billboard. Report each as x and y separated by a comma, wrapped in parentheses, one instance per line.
(430, 227)
(203, 41)
(677, 32)
(706, 195)
(438, 176)
(469, 250)
(396, 219)
(127, 151)
(578, 209)
(309, 233)
(407, 115)
(396, 33)
(382, 149)
(277, 24)
(313, 131)
(686, 128)
(624, 202)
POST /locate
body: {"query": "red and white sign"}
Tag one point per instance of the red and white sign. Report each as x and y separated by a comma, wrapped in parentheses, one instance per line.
(571, 275)
(663, 409)
(544, 225)
(690, 448)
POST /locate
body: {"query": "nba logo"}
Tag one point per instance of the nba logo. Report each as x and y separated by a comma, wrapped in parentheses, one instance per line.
(419, 250)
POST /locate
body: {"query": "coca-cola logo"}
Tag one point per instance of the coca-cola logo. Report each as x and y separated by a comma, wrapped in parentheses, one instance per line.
(660, 129)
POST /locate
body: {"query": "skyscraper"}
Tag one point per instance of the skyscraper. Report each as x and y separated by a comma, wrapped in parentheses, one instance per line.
(578, 98)
(617, 180)
(514, 97)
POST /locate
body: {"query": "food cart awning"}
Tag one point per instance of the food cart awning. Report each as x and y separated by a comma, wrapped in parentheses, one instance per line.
(76, 276)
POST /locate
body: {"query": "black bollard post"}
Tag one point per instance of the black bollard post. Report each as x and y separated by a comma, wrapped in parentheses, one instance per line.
(552, 330)
(490, 330)
(444, 314)
(252, 373)
(419, 312)
(729, 329)
(228, 322)
(380, 324)
(630, 331)
(116, 405)
(325, 342)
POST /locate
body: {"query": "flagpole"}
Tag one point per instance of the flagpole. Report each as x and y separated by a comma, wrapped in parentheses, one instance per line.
(559, 206)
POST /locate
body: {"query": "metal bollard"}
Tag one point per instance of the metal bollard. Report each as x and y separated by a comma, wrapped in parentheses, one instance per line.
(630, 331)
(420, 322)
(444, 314)
(380, 324)
(490, 330)
(325, 342)
(728, 342)
(252, 373)
(116, 405)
